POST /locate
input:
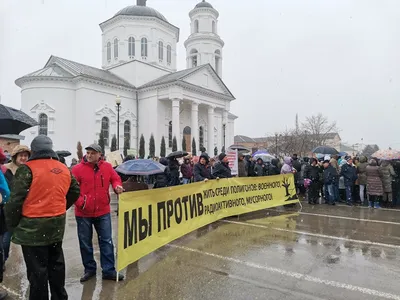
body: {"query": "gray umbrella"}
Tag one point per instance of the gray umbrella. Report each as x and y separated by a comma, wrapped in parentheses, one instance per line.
(325, 150)
(13, 121)
(177, 154)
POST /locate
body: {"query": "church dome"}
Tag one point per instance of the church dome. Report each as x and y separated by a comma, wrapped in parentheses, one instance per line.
(140, 11)
(204, 4)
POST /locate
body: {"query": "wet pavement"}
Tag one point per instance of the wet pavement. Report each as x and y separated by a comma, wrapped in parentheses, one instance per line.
(321, 252)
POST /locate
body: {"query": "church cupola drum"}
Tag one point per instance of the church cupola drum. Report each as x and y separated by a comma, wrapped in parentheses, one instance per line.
(204, 45)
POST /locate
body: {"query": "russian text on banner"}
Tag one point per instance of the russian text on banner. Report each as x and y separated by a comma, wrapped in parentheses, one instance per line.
(151, 219)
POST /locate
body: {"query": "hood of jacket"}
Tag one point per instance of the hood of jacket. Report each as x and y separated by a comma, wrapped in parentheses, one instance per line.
(363, 159)
(288, 160)
(20, 149)
(373, 163)
(43, 154)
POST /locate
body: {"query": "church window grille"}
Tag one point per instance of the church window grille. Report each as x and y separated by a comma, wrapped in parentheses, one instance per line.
(105, 128)
(108, 51)
(127, 131)
(144, 48)
(43, 124)
(160, 51)
(131, 49)
(169, 54)
(116, 49)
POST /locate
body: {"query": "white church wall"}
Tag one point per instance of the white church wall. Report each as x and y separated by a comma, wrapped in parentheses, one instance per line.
(205, 80)
(99, 102)
(56, 99)
(139, 28)
(148, 118)
(138, 73)
(164, 116)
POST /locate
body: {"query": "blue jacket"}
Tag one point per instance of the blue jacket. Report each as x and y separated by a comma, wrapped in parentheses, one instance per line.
(4, 190)
(349, 174)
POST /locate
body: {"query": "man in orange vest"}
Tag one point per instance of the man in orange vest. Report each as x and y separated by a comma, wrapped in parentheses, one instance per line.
(43, 190)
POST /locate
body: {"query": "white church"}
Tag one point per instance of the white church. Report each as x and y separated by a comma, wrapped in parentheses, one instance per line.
(138, 90)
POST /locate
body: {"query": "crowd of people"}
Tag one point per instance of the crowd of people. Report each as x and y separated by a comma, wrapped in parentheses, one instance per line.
(354, 180)
(37, 189)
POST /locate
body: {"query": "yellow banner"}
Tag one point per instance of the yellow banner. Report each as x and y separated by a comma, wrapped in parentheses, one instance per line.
(151, 219)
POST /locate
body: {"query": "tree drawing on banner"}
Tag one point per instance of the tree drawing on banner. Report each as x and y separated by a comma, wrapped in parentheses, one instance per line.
(127, 145)
(79, 151)
(183, 144)
(142, 152)
(174, 145)
(286, 184)
(215, 151)
(102, 142)
(194, 150)
(152, 146)
(163, 147)
(113, 143)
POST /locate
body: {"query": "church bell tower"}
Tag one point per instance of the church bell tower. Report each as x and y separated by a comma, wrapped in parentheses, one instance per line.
(204, 45)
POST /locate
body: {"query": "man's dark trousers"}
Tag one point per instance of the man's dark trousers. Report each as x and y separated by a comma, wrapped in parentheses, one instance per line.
(45, 266)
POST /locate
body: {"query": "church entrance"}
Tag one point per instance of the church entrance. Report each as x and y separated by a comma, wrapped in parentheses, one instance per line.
(187, 136)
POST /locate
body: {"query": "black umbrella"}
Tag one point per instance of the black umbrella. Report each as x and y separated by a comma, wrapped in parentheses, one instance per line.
(13, 121)
(325, 150)
(63, 153)
(239, 148)
(177, 154)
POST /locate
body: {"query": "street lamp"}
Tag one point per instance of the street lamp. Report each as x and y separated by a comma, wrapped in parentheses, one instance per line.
(118, 102)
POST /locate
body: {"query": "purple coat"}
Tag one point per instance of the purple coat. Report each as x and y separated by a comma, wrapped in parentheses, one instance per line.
(288, 166)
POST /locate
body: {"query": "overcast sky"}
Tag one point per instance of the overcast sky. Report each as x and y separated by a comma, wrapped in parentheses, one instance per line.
(338, 57)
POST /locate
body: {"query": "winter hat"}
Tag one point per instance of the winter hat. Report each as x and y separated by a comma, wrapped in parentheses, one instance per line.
(20, 149)
(327, 157)
(348, 158)
(41, 143)
(221, 156)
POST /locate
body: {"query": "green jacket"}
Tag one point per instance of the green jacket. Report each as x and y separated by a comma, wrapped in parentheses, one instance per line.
(35, 231)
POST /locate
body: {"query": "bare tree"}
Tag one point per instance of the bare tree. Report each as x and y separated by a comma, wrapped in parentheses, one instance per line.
(317, 129)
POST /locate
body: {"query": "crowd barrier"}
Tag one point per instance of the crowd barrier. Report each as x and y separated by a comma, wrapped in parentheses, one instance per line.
(150, 219)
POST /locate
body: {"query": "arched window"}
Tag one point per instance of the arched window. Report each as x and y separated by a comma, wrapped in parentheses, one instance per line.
(201, 136)
(169, 54)
(160, 51)
(213, 27)
(170, 134)
(131, 47)
(116, 49)
(127, 132)
(105, 129)
(108, 51)
(144, 47)
(43, 124)
(193, 57)
(217, 60)
(196, 26)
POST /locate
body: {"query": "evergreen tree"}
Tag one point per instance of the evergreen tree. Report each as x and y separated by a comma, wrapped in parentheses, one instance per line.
(223, 149)
(202, 149)
(163, 147)
(215, 151)
(113, 143)
(152, 146)
(102, 142)
(194, 150)
(79, 151)
(184, 144)
(127, 145)
(142, 151)
(174, 144)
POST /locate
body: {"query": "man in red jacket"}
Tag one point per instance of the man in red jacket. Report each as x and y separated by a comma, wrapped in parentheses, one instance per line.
(93, 209)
